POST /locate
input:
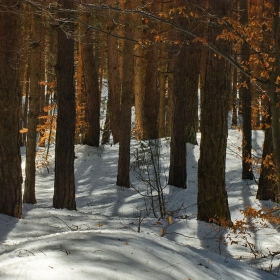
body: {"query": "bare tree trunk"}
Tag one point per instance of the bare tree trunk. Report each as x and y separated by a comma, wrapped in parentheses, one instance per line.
(92, 134)
(169, 102)
(162, 80)
(34, 108)
(193, 58)
(151, 95)
(268, 182)
(10, 107)
(212, 195)
(273, 92)
(245, 93)
(24, 69)
(64, 185)
(114, 81)
(234, 98)
(140, 66)
(123, 178)
(178, 169)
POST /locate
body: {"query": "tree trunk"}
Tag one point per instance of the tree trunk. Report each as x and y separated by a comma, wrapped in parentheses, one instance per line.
(64, 185)
(178, 169)
(114, 82)
(162, 79)
(106, 130)
(274, 92)
(10, 108)
(212, 195)
(233, 100)
(193, 58)
(140, 66)
(255, 13)
(34, 108)
(123, 178)
(151, 93)
(92, 108)
(25, 69)
(170, 91)
(185, 100)
(268, 183)
(245, 93)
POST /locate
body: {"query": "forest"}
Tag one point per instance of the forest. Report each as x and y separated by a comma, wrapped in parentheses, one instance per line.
(172, 104)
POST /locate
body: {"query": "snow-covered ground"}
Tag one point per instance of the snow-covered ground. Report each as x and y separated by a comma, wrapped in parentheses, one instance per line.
(101, 240)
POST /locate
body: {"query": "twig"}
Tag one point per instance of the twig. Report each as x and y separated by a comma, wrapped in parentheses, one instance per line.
(139, 221)
(62, 221)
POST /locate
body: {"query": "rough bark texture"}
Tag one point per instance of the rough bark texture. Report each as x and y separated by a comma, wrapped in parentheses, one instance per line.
(34, 108)
(162, 79)
(170, 91)
(212, 196)
(114, 83)
(10, 106)
(255, 13)
(178, 169)
(193, 58)
(64, 185)
(24, 68)
(234, 98)
(274, 93)
(123, 178)
(151, 97)
(245, 93)
(90, 72)
(185, 100)
(164, 60)
(247, 172)
(268, 183)
(106, 129)
(140, 65)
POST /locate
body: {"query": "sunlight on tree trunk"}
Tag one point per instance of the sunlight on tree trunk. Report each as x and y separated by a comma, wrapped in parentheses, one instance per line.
(212, 195)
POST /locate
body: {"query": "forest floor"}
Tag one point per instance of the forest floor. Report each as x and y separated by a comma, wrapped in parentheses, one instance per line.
(104, 239)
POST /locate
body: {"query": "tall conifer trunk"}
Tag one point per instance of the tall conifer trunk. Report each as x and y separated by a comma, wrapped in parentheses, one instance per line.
(10, 106)
(245, 93)
(178, 169)
(212, 195)
(151, 93)
(64, 185)
(34, 108)
(185, 99)
(123, 178)
(114, 81)
(268, 183)
(90, 72)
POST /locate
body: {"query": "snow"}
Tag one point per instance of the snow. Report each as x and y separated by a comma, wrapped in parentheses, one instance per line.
(101, 240)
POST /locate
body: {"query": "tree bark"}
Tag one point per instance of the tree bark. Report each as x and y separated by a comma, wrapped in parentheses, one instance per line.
(245, 93)
(10, 108)
(268, 182)
(185, 100)
(123, 178)
(140, 66)
(114, 81)
(212, 195)
(64, 185)
(178, 169)
(274, 92)
(34, 108)
(90, 72)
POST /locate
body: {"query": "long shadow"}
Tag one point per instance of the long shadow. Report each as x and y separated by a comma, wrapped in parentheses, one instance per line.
(103, 196)
(8, 225)
(240, 193)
